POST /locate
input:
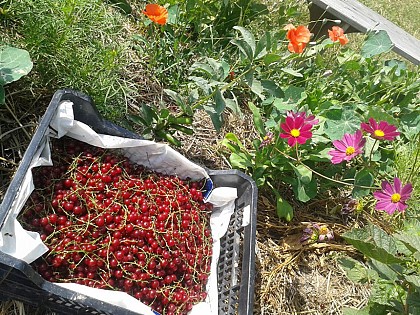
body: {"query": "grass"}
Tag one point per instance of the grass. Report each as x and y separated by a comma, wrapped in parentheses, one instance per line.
(78, 44)
(404, 13)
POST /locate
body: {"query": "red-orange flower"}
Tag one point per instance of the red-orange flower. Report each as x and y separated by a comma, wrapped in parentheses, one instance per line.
(337, 34)
(156, 13)
(298, 38)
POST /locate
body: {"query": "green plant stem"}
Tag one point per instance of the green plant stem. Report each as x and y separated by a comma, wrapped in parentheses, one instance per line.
(297, 152)
(371, 151)
(321, 175)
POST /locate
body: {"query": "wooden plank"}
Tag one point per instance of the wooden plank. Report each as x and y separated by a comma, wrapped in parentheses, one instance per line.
(356, 17)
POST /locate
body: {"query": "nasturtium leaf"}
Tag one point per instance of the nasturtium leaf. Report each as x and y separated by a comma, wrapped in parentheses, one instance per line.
(379, 114)
(282, 105)
(303, 173)
(305, 191)
(377, 42)
(410, 123)
(14, 64)
(294, 94)
(341, 121)
(373, 243)
(363, 178)
(173, 14)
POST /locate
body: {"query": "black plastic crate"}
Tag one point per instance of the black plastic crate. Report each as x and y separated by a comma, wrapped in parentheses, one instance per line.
(236, 267)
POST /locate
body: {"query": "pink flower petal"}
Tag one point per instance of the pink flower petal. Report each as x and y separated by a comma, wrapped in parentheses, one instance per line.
(401, 206)
(292, 141)
(340, 145)
(406, 191)
(397, 185)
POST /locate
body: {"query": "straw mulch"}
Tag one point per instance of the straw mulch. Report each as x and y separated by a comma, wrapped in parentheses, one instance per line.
(291, 278)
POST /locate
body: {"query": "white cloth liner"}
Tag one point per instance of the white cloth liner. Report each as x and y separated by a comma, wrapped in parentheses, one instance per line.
(27, 246)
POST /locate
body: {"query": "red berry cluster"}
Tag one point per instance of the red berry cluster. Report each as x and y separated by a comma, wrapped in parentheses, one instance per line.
(111, 224)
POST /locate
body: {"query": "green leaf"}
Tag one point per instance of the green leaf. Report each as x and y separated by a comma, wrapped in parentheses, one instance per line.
(272, 88)
(215, 112)
(239, 160)
(379, 114)
(284, 209)
(292, 72)
(356, 271)
(202, 83)
(271, 58)
(363, 178)
(305, 191)
(303, 173)
(243, 47)
(384, 270)
(248, 38)
(232, 104)
(14, 64)
(255, 85)
(413, 279)
(294, 94)
(352, 311)
(373, 243)
(258, 122)
(410, 123)
(410, 237)
(179, 101)
(122, 5)
(341, 121)
(377, 42)
(173, 14)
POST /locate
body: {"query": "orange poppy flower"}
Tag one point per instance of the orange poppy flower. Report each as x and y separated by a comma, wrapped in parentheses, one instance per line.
(298, 38)
(337, 34)
(156, 13)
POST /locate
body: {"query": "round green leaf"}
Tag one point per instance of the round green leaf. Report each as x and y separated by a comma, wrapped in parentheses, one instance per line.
(14, 63)
(376, 44)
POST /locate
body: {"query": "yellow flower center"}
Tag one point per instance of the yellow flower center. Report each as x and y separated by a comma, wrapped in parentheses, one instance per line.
(379, 133)
(295, 133)
(350, 150)
(395, 197)
(323, 230)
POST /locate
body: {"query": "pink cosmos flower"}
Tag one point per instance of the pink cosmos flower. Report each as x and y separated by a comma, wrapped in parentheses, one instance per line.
(393, 197)
(297, 131)
(308, 119)
(381, 131)
(348, 147)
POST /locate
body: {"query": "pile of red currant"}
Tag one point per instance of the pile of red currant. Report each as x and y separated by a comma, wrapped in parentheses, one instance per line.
(112, 224)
